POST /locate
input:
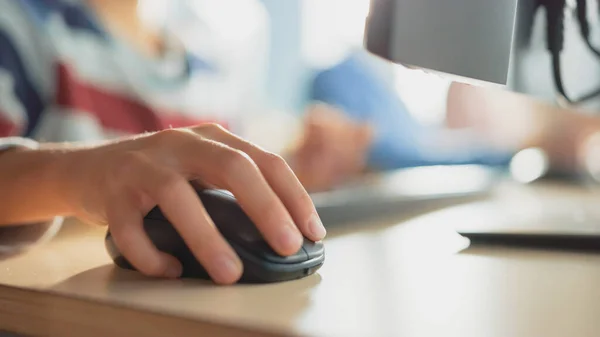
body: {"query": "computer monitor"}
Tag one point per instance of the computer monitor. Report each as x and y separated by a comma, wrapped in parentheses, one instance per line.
(542, 48)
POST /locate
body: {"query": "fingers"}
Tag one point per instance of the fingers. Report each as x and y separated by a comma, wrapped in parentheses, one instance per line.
(181, 206)
(160, 170)
(281, 179)
(240, 175)
(233, 170)
(127, 231)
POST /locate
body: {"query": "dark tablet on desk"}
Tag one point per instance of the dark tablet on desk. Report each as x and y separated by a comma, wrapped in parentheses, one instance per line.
(555, 232)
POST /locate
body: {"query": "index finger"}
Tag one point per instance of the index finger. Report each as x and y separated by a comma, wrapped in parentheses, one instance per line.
(281, 179)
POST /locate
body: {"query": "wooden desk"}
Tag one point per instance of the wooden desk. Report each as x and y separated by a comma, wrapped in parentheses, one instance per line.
(407, 277)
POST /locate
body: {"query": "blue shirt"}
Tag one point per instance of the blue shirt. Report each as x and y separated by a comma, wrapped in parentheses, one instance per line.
(400, 140)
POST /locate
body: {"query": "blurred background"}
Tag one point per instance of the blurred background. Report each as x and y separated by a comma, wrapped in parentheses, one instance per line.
(280, 47)
(284, 56)
(307, 51)
(293, 76)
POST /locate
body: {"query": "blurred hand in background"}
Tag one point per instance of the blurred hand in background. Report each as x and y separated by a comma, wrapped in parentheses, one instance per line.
(331, 150)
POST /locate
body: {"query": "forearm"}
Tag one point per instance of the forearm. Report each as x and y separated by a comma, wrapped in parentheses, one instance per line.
(517, 121)
(33, 185)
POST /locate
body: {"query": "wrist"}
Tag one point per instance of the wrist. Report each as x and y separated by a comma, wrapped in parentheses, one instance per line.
(63, 177)
(32, 186)
(71, 176)
(56, 177)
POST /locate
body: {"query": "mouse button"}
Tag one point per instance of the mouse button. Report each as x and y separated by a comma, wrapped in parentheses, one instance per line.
(263, 251)
(313, 249)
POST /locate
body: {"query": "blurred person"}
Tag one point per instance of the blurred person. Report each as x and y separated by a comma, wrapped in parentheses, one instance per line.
(486, 126)
(91, 70)
(358, 87)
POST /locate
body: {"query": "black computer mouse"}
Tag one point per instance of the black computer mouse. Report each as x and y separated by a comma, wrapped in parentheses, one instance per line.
(261, 263)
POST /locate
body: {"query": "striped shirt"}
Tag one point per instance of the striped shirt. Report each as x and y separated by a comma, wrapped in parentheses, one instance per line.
(63, 77)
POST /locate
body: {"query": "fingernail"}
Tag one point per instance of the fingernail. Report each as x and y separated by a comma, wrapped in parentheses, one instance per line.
(315, 227)
(173, 271)
(228, 268)
(289, 238)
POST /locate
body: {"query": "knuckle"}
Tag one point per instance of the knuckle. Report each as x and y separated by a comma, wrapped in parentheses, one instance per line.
(273, 161)
(177, 136)
(236, 162)
(211, 128)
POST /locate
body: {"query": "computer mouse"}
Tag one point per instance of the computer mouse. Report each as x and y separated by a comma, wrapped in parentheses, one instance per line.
(261, 263)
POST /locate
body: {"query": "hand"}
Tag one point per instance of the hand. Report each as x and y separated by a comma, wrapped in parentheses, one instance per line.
(333, 148)
(118, 183)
